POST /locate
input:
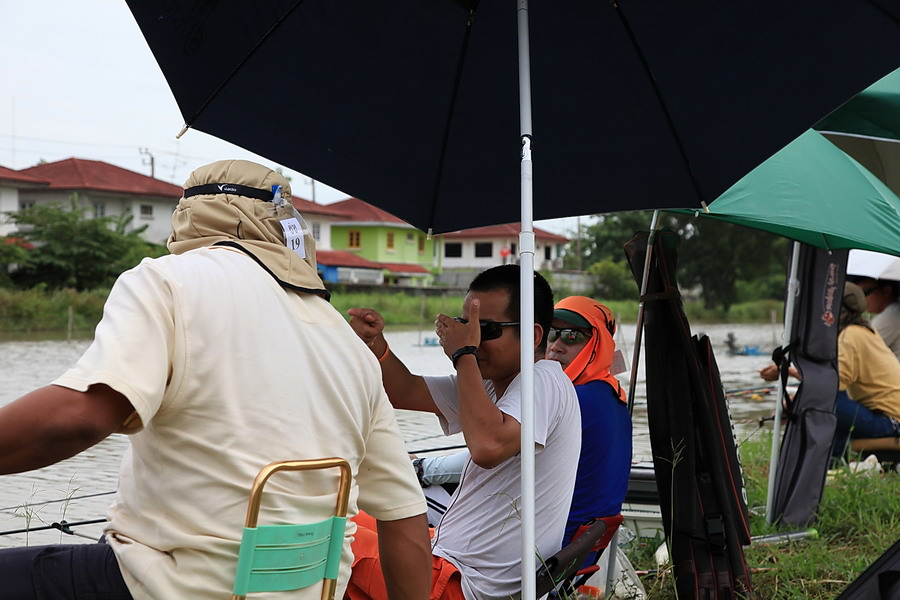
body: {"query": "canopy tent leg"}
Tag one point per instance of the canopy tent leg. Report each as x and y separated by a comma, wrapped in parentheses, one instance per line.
(636, 353)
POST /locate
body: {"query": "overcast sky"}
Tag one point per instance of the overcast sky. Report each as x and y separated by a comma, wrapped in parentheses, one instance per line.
(78, 80)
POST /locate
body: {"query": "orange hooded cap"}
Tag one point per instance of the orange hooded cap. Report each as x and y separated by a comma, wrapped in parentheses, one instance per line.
(594, 360)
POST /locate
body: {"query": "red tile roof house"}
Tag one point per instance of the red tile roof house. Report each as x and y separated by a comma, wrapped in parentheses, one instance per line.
(340, 266)
(319, 218)
(105, 190)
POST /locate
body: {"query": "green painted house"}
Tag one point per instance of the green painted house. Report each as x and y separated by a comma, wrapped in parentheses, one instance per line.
(408, 257)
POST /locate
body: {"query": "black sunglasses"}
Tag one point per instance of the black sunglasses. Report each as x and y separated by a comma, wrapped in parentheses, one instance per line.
(868, 291)
(567, 335)
(490, 330)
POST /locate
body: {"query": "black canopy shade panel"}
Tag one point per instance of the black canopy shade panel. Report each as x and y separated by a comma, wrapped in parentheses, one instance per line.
(414, 106)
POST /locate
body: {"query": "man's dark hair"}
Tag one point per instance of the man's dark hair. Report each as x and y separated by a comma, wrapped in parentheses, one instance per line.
(506, 277)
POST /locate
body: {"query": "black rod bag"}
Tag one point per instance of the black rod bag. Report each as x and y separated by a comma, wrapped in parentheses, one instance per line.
(698, 474)
(806, 446)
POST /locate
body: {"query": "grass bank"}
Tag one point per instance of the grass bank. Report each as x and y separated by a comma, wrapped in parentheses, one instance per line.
(39, 310)
(859, 519)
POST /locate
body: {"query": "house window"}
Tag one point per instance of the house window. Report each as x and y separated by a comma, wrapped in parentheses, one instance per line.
(147, 211)
(99, 210)
(421, 243)
(547, 250)
(453, 250)
(354, 239)
(390, 240)
(317, 231)
(484, 249)
(26, 204)
(410, 238)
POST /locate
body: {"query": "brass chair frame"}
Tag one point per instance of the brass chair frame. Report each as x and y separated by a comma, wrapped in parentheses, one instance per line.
(256, 490)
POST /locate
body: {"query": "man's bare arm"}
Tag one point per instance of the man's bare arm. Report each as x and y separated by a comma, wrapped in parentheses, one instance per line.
(405, 552)
(53, 423)
(404, 389)
(492, 436)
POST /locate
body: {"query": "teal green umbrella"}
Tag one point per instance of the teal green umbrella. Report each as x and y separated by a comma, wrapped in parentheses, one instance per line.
(868, 129)
(814, 193)
(873, 113)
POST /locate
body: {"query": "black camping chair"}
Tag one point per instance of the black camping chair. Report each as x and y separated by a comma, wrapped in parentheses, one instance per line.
(559, 572)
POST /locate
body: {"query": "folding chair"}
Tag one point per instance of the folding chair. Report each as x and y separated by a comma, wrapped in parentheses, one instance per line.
(886, 449)
(276, 558)
(560, 570)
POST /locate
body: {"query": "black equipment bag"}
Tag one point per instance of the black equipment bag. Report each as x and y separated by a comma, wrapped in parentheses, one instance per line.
(698, 473)
(806, 447)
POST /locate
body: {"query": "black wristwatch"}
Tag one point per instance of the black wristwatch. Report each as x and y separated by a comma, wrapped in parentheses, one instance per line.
(420, 472)
(462, 352)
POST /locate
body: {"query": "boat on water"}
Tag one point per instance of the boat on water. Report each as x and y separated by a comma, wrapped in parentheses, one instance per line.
(742, 350)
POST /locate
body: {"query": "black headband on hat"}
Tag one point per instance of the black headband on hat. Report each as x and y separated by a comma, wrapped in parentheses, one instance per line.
(230, 188)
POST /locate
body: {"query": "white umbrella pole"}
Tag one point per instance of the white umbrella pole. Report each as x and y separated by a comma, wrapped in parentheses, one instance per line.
(639, 328)
(526, 315)
(789, 303)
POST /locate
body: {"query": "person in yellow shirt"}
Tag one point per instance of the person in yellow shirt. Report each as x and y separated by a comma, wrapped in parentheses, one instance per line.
(868, 401)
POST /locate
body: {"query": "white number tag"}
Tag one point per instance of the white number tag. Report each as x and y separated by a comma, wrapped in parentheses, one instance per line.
(293, 236)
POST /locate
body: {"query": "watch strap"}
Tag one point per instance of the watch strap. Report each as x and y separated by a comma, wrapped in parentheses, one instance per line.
(462, 352)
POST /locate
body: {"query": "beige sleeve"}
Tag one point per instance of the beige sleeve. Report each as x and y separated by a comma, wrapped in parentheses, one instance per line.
(132, 347)
(388, 488)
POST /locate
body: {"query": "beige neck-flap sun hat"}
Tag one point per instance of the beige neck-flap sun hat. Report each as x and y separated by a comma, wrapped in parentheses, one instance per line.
(238, 203)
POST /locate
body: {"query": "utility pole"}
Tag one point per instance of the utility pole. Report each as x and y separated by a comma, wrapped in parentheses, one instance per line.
(13, 163)
(312, 183)
(151, 162)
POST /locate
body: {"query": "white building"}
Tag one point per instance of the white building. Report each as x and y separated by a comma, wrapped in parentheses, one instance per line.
(484, 247)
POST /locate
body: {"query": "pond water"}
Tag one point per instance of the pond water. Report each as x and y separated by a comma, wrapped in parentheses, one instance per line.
(31, 500)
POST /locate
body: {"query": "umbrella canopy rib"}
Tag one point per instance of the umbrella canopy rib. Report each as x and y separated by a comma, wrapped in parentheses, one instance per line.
(463, 51)
(238, 66)
(632, 37)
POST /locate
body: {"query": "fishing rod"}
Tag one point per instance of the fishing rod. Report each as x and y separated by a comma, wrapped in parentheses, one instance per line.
(460, 447)
(762, 389)
(427, 437)
(63, 526)
(69, 499)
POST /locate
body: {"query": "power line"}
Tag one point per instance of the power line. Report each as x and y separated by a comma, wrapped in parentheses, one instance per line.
(19, 138)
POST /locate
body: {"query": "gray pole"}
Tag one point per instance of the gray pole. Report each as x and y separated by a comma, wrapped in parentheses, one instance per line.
(639, 328)
(526, 316)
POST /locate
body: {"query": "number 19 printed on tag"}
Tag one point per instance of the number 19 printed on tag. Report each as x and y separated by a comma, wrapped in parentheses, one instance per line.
(293, 236)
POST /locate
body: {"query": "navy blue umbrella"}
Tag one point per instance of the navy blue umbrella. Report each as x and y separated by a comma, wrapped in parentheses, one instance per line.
(413, 105)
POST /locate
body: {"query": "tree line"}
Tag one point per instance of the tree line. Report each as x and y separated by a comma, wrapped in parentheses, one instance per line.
(723, 262)
(62, 247)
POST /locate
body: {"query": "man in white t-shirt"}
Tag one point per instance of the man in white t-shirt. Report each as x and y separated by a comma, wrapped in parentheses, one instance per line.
(217, 360)
(479, 535)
